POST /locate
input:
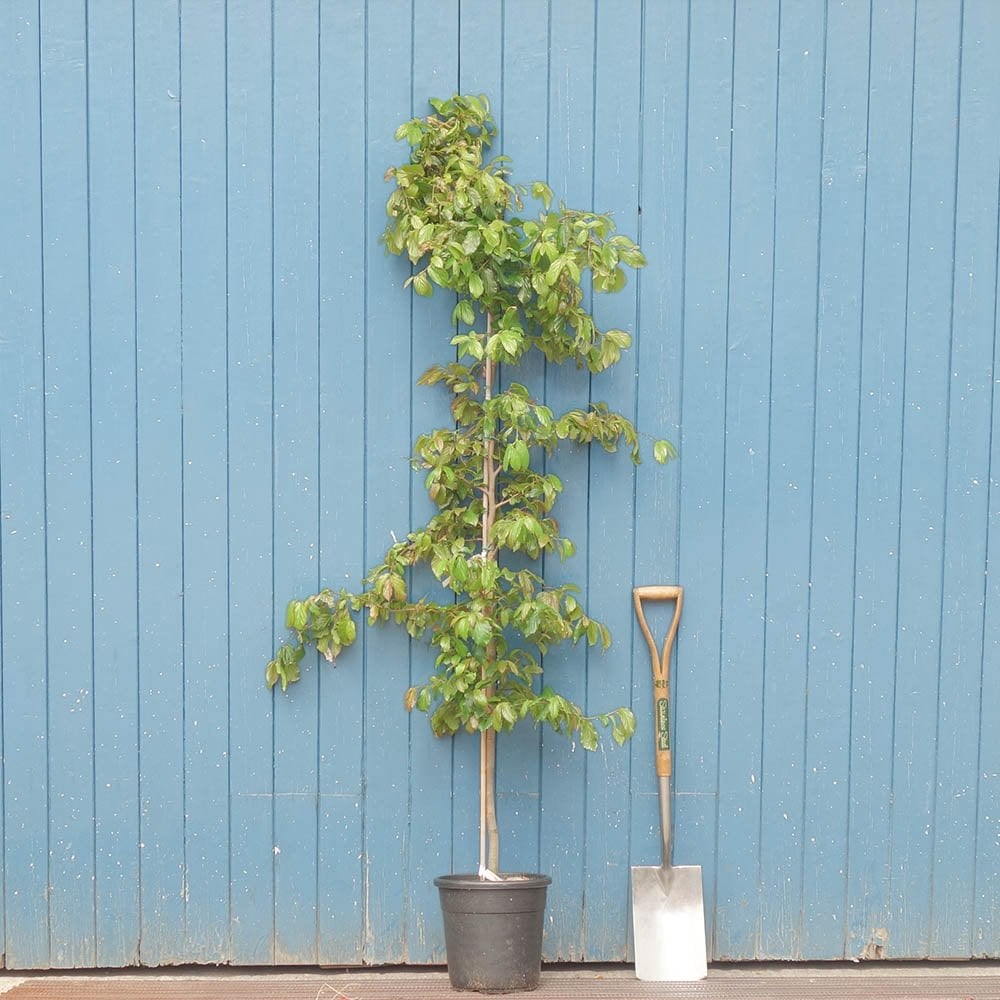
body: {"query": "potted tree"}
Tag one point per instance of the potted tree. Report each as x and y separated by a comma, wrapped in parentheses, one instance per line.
(519, 287)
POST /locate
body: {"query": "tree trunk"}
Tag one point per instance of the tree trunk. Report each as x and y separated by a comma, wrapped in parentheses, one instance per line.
(488, 748)
(489, 834)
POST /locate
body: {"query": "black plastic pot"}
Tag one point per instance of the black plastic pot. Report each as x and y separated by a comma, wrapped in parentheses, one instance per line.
(493, 931)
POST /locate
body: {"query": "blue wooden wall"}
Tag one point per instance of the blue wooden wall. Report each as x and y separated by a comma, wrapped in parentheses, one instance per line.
(206, 364)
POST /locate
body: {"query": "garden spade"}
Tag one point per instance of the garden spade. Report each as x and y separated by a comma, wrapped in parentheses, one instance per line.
(668, 913)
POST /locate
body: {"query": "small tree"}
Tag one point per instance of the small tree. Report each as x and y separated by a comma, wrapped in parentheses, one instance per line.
(519, 284)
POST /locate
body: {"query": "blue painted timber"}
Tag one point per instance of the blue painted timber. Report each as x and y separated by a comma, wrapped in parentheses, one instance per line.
(207, 368)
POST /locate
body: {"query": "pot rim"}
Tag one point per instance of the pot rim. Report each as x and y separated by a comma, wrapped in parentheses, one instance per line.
(507, 881)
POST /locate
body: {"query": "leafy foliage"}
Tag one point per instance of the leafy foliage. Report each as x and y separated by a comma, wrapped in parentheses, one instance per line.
(520, 286)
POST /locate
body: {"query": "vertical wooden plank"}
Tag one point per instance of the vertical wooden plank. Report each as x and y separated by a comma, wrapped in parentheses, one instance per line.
(879, 464)
(112, 314)
(966, 511)
(481, 34)
(388, 443)
(206, 595)
(160, 497)
(834, 511)
(657, 348)
(436, 48)
(251, 511)
(571, 152)
(706, 279)
(748, 386)
(522, 118)
(22, 498)
(296, 473)
(986, 904)
(341, 441)
(796, 235)
(611, 496)
(925, 444)
(986, 901)
(69, 611)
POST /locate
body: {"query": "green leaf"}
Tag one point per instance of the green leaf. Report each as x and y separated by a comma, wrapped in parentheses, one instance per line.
(509, 341)
(605, 637)
(347, 631)
(476, 287)
(664, 451)
(469, 343)
(464, 313)
(422, 284)
(542, 192)
(285, 666)
(459, 570)
(296, 615)
(623, 726)
(516, 456)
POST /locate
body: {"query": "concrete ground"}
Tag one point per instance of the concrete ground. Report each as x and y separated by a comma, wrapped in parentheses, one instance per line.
(761, 981)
